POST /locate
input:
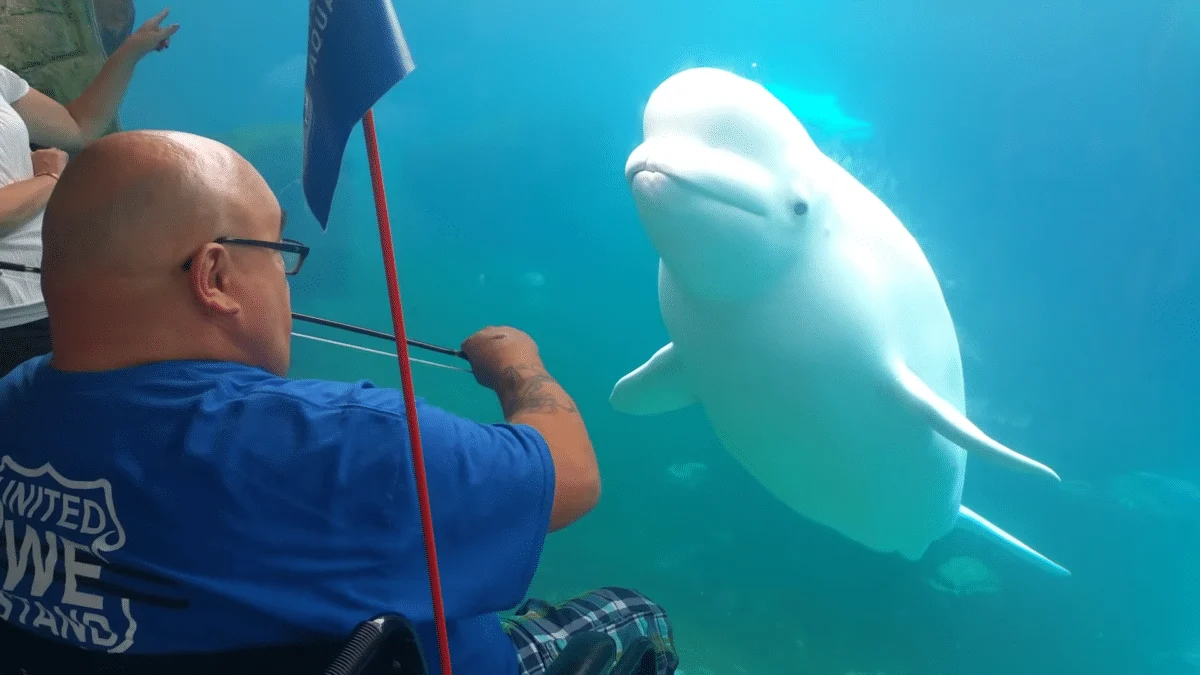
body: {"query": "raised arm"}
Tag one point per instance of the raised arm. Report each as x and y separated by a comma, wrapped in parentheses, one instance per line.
(84, 119)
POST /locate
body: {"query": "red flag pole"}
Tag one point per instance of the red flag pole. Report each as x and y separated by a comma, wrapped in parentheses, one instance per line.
(410, 399)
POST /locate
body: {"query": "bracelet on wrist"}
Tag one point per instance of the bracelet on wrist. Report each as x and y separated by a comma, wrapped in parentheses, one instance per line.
(47, 173)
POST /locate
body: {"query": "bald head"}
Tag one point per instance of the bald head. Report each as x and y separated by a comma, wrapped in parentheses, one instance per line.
(134, 202)
(135, 267)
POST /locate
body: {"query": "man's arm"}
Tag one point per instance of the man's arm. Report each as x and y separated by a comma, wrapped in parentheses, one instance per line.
(530, 395)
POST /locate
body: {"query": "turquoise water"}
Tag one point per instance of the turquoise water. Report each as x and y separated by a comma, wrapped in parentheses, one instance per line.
(1045, 156)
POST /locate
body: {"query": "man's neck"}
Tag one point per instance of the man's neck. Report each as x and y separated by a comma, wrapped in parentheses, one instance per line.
(113, 345)
(75, 361)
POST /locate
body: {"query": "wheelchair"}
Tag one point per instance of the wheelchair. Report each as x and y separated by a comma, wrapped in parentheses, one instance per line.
(384, 645)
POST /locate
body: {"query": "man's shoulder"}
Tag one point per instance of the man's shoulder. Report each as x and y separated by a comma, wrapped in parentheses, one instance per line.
(236, 382)
(14, 383)
(217, 383)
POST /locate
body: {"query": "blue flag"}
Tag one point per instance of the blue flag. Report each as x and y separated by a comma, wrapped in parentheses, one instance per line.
(356, 53)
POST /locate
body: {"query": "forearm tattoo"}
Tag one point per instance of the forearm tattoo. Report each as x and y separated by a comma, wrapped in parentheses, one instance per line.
(527, 388)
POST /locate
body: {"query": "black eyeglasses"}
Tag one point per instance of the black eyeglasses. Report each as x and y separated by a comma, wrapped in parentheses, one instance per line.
(292, 252)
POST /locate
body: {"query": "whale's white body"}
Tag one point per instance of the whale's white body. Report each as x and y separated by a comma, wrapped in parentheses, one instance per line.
(804, 318)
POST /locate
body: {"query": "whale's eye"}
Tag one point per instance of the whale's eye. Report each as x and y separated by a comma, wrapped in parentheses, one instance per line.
(800, 207)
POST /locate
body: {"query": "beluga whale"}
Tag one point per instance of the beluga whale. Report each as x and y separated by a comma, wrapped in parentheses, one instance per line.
(806, 321)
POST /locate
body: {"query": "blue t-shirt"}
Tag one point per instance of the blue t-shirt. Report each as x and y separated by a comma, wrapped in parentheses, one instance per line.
(199, 505)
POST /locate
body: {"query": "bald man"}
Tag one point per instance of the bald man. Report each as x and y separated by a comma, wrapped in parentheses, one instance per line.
(165, 487)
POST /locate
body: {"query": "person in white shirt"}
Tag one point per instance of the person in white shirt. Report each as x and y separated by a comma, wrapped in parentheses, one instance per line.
(27, 178)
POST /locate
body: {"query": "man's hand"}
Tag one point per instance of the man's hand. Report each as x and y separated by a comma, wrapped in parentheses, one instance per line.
(496, 349)
(506, 361)
(51, 160)
(150, 37)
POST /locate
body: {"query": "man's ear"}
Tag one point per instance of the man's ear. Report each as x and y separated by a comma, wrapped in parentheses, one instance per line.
(209, 273)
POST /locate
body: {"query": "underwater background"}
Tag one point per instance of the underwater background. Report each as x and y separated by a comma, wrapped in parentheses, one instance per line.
(1046, 157)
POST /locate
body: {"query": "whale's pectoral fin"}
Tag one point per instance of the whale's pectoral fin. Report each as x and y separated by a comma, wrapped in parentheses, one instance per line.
(954, 426)
(969, 520)
(657, 386)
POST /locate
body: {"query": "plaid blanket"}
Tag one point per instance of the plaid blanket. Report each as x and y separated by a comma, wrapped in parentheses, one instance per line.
(540, 631)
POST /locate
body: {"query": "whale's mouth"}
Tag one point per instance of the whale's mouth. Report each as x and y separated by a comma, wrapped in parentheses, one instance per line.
(636, 167)
(646, 174)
